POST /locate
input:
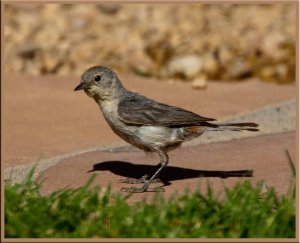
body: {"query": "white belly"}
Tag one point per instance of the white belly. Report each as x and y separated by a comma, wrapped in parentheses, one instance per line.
(159, 136)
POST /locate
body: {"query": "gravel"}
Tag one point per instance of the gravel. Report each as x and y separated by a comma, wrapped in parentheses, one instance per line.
(226, 41)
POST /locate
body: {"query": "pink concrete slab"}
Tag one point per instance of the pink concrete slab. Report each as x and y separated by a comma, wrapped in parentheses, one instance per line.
(221, 164)
(43, 117)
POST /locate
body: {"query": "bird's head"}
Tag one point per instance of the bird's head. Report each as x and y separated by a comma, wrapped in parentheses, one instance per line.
(100, 82)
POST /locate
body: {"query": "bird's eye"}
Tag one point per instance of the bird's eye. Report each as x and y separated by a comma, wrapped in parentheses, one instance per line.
(97, 78)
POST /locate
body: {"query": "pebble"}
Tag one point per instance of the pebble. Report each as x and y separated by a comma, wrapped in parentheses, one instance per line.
(185, 66)
(199, 84)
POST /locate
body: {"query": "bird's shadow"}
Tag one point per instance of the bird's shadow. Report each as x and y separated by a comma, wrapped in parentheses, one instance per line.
(170, 173)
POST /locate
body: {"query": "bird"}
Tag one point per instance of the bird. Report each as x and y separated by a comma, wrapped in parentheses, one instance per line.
(145, 123)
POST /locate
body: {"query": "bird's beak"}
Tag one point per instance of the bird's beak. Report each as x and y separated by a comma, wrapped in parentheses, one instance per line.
(81, 86)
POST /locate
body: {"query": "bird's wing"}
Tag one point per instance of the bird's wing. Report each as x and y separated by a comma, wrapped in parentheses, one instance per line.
(137, 109)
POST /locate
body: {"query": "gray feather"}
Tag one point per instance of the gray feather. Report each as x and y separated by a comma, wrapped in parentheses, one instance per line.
(136, 109)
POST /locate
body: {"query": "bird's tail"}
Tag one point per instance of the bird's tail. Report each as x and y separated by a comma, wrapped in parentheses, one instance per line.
(246, 126)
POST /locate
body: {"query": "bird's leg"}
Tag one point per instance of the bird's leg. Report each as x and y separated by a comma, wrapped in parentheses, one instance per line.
(142, 179)
(164, 160)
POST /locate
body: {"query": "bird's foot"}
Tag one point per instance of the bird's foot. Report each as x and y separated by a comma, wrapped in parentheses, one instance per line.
(143, 180)
(142, 189)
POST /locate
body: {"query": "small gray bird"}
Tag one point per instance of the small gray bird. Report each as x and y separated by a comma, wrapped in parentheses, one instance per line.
(145, 123)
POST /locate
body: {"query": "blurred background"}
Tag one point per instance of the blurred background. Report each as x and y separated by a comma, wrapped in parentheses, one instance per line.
(165, 41)
(194, 56)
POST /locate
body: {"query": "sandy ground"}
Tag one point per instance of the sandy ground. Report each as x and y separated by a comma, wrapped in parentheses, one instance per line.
(43, 117)
(45, 121)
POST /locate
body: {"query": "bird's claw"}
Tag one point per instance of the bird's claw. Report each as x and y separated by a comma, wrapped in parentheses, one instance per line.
(142, 189)
(143, 180)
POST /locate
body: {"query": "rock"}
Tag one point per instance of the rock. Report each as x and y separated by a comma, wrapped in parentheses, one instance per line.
(109, 8)
(239, 69)
(159, 50)
(267, 73)
(272, 44)
(185, 66)
(278, 73)
(50, 64)
(141, 64)
(281, 72)
(199, 84)
(210, 65)
(28, 50)
(225, 55)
